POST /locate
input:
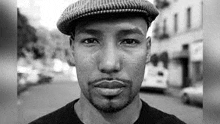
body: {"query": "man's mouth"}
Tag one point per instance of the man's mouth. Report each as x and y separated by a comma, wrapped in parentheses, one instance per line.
(110, 84)
(110, 88)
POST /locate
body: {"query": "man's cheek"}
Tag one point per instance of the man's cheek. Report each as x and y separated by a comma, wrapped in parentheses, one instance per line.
(138, 68)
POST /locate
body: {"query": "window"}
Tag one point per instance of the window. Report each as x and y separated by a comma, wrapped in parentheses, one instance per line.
(175, 23)
(185, 46)
(188, 17)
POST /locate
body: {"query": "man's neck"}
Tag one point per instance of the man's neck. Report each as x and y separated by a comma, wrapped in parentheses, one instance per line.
(88, 114)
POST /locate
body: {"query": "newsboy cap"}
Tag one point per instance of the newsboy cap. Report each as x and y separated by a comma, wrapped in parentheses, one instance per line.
(85, 8)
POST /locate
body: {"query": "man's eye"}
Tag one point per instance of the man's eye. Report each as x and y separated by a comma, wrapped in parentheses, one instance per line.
(90, 41)
(130, 42)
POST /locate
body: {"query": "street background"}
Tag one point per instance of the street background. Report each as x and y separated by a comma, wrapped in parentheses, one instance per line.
(43, 99)
(43, 58)
(8, 61)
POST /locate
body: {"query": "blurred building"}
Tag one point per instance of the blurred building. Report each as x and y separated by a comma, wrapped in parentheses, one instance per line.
(53, 43)
(178, 31)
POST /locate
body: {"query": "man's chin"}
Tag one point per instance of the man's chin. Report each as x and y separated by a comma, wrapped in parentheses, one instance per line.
(110, 105)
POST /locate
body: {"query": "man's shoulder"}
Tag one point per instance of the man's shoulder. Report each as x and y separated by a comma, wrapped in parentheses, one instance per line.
(64, 115)
(152, 115)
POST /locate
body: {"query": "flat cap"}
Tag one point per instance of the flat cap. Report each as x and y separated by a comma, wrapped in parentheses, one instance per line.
(84, 8)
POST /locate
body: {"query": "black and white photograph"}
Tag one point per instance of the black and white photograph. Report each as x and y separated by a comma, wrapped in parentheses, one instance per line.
(109, 62)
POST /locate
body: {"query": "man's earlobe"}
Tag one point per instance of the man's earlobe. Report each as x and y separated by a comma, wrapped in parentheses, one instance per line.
(148, 58)
(71, 57)
(148, 42)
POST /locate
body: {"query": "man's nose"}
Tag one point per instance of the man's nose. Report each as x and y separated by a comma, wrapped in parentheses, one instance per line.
(110, 60)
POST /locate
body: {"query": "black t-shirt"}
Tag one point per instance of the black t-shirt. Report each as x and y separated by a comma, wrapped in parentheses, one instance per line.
(67, 115)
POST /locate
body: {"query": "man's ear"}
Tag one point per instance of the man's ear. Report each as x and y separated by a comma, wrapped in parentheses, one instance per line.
(148, 55)
(71, 58)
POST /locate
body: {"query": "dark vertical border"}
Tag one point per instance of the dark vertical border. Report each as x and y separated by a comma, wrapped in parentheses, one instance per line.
(8, 52)
(211, 23)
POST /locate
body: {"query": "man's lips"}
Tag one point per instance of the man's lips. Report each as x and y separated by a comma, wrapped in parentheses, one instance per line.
(109, 87)
(110, 84)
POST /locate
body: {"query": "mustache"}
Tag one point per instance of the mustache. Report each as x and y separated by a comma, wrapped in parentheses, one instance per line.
(125, 81)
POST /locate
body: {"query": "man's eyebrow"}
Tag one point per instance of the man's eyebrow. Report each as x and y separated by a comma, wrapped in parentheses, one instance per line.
(131, 31)
(88, 31)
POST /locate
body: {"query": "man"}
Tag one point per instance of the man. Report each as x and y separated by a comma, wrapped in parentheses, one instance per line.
(110, 51)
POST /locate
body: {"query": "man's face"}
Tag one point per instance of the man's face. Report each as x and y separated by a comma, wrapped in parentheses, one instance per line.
(110, 58)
